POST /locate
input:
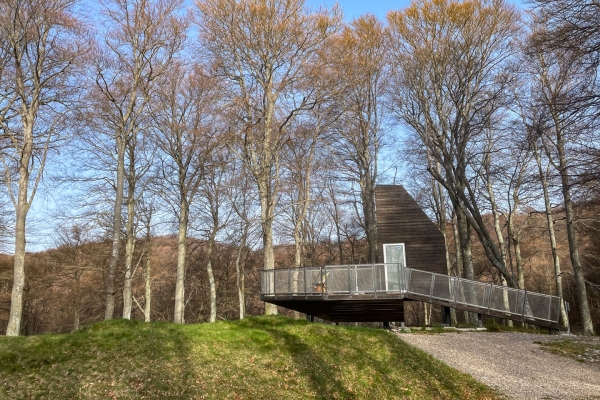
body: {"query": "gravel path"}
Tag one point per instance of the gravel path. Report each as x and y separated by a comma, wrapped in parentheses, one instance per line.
(513, 363)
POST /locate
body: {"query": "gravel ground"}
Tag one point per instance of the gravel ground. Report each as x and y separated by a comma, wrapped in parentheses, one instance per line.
(513, 363)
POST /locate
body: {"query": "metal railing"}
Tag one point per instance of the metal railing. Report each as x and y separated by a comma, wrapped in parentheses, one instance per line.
(375, 280)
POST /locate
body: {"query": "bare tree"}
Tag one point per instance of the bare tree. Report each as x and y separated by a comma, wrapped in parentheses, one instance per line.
(211, 208)
(545, 176)
(147, 213)
(363, 68)
(142, 37)
(73, 258)
(301, 159)
(562, 119)
(139, 160)
(185, 118)
(244, 228)
(430, 194)
(450, 60)
(262, 48)
(40, 43)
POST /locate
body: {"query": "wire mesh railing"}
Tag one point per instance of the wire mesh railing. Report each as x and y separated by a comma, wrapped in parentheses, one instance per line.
(375, 280)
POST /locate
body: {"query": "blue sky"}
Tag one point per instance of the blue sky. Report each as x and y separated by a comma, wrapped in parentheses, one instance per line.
(44, 203)
(355, 8)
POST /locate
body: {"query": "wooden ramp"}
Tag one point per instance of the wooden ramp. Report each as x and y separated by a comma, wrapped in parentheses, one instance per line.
(406, 237)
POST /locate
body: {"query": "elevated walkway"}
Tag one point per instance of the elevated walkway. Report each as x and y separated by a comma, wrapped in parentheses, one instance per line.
(375, 292)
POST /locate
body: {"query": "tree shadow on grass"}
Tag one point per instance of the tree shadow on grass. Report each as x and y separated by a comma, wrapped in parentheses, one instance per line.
(385, 366)
(322, 376)
(114, 359)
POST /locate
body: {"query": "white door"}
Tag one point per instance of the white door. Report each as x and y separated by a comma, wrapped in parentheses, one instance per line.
(394, 258)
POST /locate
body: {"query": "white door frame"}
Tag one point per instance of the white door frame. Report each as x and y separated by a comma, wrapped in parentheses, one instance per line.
(385, 261)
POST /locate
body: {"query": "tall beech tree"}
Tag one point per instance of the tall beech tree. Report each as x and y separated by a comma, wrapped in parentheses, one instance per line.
(40, 43)
(362, 51)
(563, 124)
(185, 121)
(545, 175)
(141, 39)
(243, 226)
(299, 163)
(568, 36)
(215, 211)
(262, 48)
(450, 60)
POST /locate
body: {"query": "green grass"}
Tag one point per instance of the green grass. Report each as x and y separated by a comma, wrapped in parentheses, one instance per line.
(580, 351)
(493, 326)
(258, 358)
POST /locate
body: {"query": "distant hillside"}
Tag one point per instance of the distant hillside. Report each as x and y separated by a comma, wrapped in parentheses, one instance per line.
(65, 285)
(258, 358)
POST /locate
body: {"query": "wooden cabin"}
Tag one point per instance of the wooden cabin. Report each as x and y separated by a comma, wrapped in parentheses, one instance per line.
(376, 292)
(400, 221)
(405, 236)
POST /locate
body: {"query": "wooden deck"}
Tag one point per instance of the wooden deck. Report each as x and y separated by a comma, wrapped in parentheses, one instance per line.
(377, 292)
(347, 310)
(390, 308)
(411, 267)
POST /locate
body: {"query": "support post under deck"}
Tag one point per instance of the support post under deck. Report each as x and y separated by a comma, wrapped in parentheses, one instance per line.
(446, 316)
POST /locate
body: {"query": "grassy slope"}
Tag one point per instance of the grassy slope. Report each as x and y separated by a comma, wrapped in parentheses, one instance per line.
(258, 358)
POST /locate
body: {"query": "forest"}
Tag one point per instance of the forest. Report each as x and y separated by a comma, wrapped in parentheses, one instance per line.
(156, 154)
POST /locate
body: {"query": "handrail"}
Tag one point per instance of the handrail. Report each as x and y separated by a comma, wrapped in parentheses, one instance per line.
(362, 279)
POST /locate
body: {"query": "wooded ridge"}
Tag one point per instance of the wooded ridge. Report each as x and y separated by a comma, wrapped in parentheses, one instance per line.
(244, 130)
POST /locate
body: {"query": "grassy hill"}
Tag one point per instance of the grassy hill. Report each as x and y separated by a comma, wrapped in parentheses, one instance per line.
(258, 358)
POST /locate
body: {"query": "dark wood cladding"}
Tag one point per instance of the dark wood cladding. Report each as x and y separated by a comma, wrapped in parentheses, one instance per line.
(401, 220)
(355, 310)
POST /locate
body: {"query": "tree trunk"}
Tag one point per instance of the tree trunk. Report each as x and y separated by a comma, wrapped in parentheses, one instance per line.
(181, 257)
(338, 230)
(240, 262)
(266, 211)
(148, 282)
(368, 197)
(298, 247)
(501, 243)
(443, 224)
(464, 236)
(116, 232)
(129, 247)
(22, 207)
(459, 264)
(77, 299)
(211, 277)
(584, 308)
(516, 240)
(552, 235)
(426, 313)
